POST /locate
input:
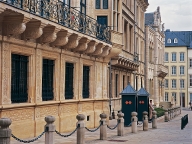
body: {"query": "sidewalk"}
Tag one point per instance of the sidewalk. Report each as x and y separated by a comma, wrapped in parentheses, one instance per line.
(166, 133)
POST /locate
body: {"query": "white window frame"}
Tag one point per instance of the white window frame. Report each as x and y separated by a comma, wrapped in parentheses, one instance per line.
(166, 57)
(174, 83)
(182, 70)
(190, 62)
(166, 83)
(168, 40)
(182, 83)
(173, 70)
(190, 80)
(182, 56)
(172, 58)
(174, 94)
(175, 40)
(166, 96)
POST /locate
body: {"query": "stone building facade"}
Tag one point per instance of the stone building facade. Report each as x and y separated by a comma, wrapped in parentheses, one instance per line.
(126, 19)
(178, 59)
(155, 67)
(54, 61)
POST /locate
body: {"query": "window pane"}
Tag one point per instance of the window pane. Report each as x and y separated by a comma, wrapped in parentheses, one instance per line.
(181, 56)
(105, 4)
(97, 4)
(47, 80)
(69, 80)
(86, 81)
(19, 65)
(182, 70)
(190, 63)
(166, 57)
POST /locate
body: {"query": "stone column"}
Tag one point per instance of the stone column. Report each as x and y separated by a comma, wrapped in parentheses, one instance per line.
(5, 131)
(154, 120)
(134, 120)
(50, 129)
(145, 121)
(166, 117)
(103, 128)
(120, 127)
(81, 129)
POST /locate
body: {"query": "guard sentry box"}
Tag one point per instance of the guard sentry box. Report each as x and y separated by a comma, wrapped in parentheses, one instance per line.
(142, 103)
(129, 99)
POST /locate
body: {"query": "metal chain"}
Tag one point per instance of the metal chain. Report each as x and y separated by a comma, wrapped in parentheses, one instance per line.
(28, 141)
(113, 127)
(67, 134)
(140, 123)
(94, 129)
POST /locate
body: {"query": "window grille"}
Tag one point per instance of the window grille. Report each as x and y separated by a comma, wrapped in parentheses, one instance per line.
(69, 80)
(19, 65)
(47, 80)
(86, 70)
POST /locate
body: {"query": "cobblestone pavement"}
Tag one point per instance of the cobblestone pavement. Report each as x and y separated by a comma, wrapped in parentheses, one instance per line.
(166, 133)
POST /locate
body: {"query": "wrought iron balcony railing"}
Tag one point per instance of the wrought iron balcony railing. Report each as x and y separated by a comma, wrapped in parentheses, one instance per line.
(64, 15)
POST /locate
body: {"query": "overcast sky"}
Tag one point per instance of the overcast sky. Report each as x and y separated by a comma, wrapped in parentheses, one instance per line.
(176, 14)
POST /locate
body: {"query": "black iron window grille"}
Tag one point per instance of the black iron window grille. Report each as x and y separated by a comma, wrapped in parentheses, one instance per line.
(63, 14)
(69, 80)
(47, 80)
(86, 70)
(105, 4)
(19, 66)
(97, 4)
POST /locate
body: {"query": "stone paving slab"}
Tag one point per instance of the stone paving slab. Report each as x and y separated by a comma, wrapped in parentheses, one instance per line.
(166, 133)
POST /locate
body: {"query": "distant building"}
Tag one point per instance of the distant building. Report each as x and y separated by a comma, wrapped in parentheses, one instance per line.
(178, 58)
(155, 68)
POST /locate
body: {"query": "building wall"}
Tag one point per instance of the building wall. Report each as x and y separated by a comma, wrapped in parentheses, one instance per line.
(177, 77)
(189, 73)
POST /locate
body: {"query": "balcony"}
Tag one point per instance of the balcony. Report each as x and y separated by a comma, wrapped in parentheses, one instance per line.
(63, 15)
(162, 70)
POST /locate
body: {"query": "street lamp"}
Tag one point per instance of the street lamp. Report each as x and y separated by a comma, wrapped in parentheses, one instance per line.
(181, 97)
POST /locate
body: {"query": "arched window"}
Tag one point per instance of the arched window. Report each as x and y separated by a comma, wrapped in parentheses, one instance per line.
(168, 40)
(175, 40)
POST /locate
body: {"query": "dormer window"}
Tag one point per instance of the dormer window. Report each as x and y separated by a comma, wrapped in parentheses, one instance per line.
(168, 40)
(175, 40)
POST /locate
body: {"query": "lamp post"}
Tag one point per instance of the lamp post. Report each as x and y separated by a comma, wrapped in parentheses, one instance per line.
(181, 97)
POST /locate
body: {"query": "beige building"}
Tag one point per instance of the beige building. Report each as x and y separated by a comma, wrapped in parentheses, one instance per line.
(125, 18)
(177, 58)
(155, 68)
(54, 61)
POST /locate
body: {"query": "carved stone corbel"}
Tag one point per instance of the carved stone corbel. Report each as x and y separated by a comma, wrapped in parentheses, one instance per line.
(99, 49)
(49, 34)
(72, 42)
(82, 46)
(33, 30)
(90, 47)
(62, 39)
(105, 51)
(14, 24)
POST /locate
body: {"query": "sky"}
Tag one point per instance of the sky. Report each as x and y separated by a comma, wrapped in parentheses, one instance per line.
(176, 14)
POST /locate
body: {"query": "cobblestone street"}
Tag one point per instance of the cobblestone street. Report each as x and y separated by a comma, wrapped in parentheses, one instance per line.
(166, 133)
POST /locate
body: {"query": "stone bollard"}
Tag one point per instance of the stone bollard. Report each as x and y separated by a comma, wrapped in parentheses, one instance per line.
(5, 131)
(103, 128)
(134, 120)
(171, 111)
(166, 117)
(120, 127)
(154, 120)
(80, 129)
(168, 111)
(49, 129)
(174, 111)
(145, 121)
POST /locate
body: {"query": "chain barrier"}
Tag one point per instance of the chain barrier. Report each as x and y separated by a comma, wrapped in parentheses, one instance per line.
(101, 123)
(139, 123)
(67, 134)
(114, 126)
(28, 141)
